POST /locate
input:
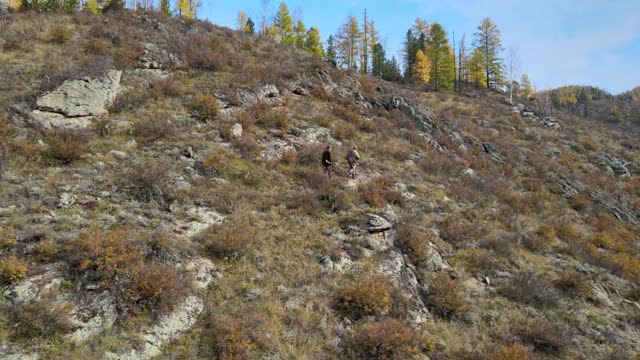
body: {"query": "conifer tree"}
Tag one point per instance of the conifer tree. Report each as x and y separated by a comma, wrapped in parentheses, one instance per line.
(165, 7)
(283, 25)
(526, 90)
(421, 26)
(462, 64)
(331, 51)
(250, 27)
(421, 68)
(349, 43)
(411, 46)
(378, 59)
(440, 54)
(300, 33)
(391, 70)
(312, 43)
(476, 68)
(487, 39)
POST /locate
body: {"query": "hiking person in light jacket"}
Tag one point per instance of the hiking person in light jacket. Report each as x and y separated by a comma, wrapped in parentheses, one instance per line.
(326, 160)
(352, 159)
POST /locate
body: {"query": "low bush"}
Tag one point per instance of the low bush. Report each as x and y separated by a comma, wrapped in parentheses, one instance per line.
(45, 251)
(154, 127)
(373, 296)
(544, 335)
(215, 160)
(415, 244)
(39, 319)
(60, 34)
(205, 107)
(235, 238)
(478, 261)
(446, 296)
(234, 339)
(165, 88)
(573, 283)
(378, 193)
(147, 181)
(513, 352)
(12, 269)
(455, 230)
(579, 202)
(67, 146)
(154, 286)
(531, 288)
(274, 118)
(386, 339)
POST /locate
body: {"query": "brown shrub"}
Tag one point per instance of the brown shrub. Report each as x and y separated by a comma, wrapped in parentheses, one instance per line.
(530, 288)
(103, 256)
(247, 145)
(154, 286)
(233, 239)
(39, 319)
(479, 261)
(274, 118)
(547, 232)
(67, 146)
(535, 242)
(446, 296)
(567, 232)
(206, 107)
(215, 160)
(152, 128)
(440, 164)
(372, 296)
(579, 202)
(234, 339)
(167, 87)
(513, 352)
(378, 193)
(344, 131)
(573, 283)
(12, 269)
(454, 230)
(45, 251)
(60, 34)
(415, 244)
(386, 339)
(147, 181)
(544, 335)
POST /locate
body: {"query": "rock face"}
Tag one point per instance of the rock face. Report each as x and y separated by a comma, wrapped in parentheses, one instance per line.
(613, 165)
(236, 131)
(76, 102)
(157, 58)
(266, 94)
(551, 122)
(421, 115)
(165, 330)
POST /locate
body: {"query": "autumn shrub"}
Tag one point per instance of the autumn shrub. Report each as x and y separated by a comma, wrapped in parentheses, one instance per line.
(235, 238)
(534, 242)
(446, 296)
(344, 131)
(454, 230)
(544, 335)
(579, 202)
(146, 181)
(153, 127)
(205, 107)
(573, 283)
(45, 251)
(215, 160)
(372, 296)
(512, 352)
(547, 232)
(247, 145)
(274, 118)
(39, 319)
(378, 192)
(165, 88)
(415, 243)
(60, 34)
(440, 164)
(154, 286)
(12, 269)
(234, 339)
(567, 232)
(610, 241)
(386, 339)
(67, 146)
(531, 288)
(103, 256)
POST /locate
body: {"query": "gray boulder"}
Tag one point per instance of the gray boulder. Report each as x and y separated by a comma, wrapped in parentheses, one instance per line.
(378, 223)
(421, 115)
(551, 122)
(155, 57)
(76, 102)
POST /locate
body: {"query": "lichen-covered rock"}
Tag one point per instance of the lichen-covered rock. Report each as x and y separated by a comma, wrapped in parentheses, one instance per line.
(378, 223)
(155, 57)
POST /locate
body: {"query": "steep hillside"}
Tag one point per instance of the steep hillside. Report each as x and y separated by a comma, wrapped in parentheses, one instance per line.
(162, 195)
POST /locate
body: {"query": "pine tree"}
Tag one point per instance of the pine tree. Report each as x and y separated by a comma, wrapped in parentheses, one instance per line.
(378, 59)
(526, 90)
(487, 39)
(312, 43)
(283, 25)
(476, 68)
(165, 7)
(421, 68)
(331, 51)
(391, 71)
(349, 43)
(300, 33)
(411, 46)
(250, 27)
(440, 54)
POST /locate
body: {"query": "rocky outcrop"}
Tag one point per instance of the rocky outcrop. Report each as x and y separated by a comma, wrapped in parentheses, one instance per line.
(76, 102)
(551, 122)
(155, 57)
(265, 94)
(490, 150)
(421, 115)
(166, 329)
(613, 165)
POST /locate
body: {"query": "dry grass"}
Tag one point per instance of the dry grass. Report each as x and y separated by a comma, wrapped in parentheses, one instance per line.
(386, 339)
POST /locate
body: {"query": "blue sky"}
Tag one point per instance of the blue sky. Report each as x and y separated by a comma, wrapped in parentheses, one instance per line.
(560, 42)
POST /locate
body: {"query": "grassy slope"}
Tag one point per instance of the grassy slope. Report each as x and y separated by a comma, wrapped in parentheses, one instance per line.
(508, 219)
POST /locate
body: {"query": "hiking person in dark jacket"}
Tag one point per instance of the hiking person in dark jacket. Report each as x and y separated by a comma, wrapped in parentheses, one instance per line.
(326, 160)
